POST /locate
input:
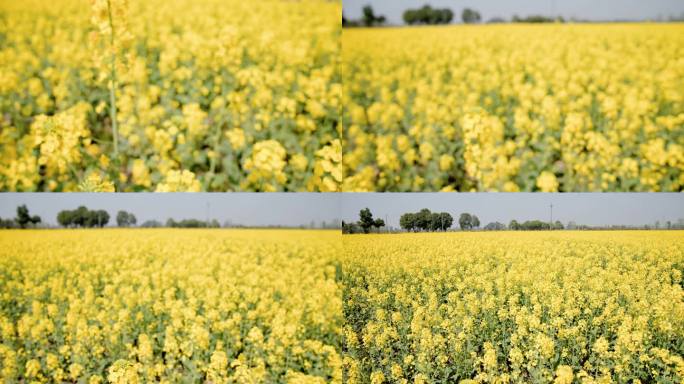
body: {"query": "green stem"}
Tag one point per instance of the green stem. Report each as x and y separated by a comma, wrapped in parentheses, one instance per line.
(112, 93)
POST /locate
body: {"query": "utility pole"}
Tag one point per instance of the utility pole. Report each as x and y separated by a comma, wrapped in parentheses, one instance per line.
(551, 222)
(207, 214)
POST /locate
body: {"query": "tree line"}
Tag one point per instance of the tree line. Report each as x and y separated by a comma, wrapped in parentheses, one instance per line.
(427, 15)
(428, 221)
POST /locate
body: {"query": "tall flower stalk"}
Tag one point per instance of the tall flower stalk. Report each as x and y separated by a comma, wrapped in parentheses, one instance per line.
(109, 16)
(112, 86)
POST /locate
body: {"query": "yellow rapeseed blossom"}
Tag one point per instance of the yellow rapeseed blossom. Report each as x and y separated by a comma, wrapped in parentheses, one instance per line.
(599, 106)
(170, 305)
(547, 182)
(179, 181)
(514, 307)
(195, 84)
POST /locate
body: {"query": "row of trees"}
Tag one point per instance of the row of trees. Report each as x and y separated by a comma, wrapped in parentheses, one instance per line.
(192, 223)
(432, 16)
(424, 220)
(534, 225)
(23, 219)
(428, 15)
(83, 217)
(423, 15)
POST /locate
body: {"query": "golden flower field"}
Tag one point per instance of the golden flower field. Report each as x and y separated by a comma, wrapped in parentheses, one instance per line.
(574, 107)
(210, 95)
(512, 307)
(170, 306)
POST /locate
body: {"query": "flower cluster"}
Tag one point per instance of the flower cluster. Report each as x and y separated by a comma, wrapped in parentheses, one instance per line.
(514, 108)
(170, 306)
(562, 307)
(196, 85)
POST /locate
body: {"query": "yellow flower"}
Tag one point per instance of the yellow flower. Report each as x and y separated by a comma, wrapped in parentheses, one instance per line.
(563, 375)
(32, 368)
(96, 183)
(299, 162)
(446, 162)
(547, 182)
(236, 137)
(377, 377)
(75, 371)
(179, 181)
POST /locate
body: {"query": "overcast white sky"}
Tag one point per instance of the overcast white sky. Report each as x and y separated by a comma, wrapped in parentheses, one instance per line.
(293, 209)
(582, 9)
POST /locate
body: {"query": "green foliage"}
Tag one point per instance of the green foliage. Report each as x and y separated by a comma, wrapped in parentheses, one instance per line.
(370, 19)
(470, 16)
(192, 223)
(24, 219)
(83, 217)
(465, 221)
(537, 19)
(426, 221)
(125, 219)
(495, 226)
(428, 15)
(366, 220)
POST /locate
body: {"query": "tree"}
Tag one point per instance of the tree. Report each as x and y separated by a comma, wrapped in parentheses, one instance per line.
(407, 221)
(24, 219)
(470, 16)
(475, 222)
(434, 224)
(125, 219)
(65, 218)
(558, 225)
(513, 225)
(379, 223)
(369, 18)
(80, 216)
(410, 17)
(447, 16)
(366, 220)
(446, 221)
(102, 217)
(422, 219)
(465, 221)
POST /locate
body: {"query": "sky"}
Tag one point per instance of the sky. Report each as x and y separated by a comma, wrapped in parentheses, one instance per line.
(582, 9)
(582, 208)
(250, 209)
